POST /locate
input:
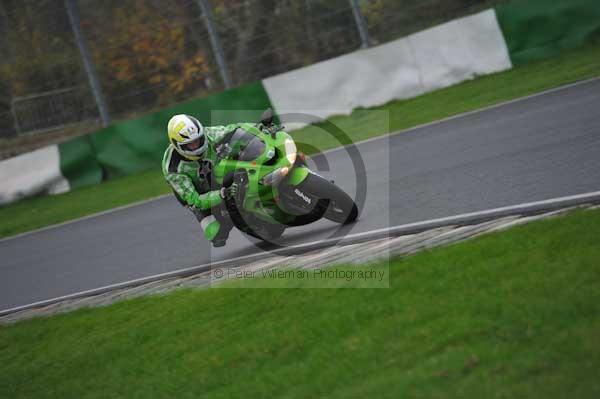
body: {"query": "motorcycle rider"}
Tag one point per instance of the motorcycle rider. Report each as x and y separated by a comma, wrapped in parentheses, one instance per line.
(187, 166)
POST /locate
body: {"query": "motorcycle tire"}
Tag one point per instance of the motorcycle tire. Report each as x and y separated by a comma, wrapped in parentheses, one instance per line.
(341, 208)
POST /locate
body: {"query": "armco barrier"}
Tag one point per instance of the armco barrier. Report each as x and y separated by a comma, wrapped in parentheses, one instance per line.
(536, 29)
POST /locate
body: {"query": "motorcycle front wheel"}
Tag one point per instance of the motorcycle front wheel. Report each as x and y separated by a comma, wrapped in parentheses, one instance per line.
(340, 208)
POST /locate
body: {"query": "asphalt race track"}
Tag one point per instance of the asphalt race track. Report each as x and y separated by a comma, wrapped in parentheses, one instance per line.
(539, 148)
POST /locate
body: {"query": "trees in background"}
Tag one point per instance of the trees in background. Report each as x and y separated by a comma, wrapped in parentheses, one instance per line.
(265, 37)
(150, 53)
(146, 53)
(38, 53)
(390, 19)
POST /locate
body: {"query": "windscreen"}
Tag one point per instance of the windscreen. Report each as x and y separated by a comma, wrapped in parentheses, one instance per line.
(245, 146)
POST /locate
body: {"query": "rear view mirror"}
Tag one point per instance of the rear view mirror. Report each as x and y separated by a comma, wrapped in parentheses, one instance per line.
(267, 117)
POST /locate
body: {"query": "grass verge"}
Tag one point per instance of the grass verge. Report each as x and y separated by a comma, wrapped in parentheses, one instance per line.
(511, 314)
(362, 124)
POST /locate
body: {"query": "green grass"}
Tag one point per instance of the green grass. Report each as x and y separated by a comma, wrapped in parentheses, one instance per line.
(362, 124)
(512, 314)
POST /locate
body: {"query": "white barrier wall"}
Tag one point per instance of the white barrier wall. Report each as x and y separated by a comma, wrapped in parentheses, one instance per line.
(405, 68)
(460, 50)
(33, 173)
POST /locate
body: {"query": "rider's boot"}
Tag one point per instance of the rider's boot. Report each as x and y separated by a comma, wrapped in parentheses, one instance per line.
(213, 231)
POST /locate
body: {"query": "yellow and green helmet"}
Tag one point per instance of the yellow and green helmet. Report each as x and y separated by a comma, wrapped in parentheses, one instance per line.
(186, 134)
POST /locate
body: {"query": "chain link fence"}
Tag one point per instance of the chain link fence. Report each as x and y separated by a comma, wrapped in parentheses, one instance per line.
(68, 62)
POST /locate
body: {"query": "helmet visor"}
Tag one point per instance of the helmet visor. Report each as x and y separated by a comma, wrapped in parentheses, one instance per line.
(193, 145)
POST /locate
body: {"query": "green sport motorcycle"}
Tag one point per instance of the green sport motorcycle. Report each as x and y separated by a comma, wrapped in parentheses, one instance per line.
(275, 187)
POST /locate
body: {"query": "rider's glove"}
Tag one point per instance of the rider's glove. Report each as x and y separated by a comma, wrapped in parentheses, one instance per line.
(229, 192)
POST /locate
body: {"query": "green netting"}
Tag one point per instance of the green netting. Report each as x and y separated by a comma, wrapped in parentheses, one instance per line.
(136, 145)
(536, 29)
